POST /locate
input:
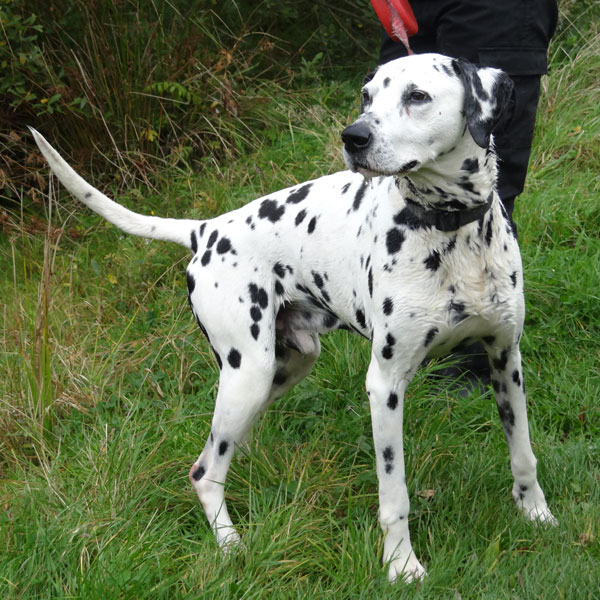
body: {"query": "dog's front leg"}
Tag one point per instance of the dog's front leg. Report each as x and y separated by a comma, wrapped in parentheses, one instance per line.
(509, 390)
(386, 398)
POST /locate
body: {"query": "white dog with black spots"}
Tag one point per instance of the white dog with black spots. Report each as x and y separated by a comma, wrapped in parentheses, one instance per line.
(411, 248)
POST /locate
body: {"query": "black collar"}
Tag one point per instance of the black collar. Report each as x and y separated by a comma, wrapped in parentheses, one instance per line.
(446, 220)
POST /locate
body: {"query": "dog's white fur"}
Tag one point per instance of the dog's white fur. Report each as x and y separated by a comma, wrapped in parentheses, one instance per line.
(375, 254)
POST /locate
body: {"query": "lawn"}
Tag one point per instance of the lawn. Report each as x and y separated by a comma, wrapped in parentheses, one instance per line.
(107, 389)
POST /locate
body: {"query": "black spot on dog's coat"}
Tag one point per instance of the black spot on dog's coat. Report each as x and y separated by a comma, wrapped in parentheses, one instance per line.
(507, 416)
(270, 209)
(191, 282)
(433, 261)
(450, 246)
(193, 242)
(299, 194)
(300, 217)
(223, 446)
(516, 377)
(279, 270)
(430, 335)
(223, 246)
(359, 195)
(394, 240)
(311, 225)
(234, 358)
(388, 307)
(468, 186)
(470, 165)
(258, 295)
(388, 350)
(199, 473)
(212, 239)
(388, 457)
(500, 363)
(360, 319)
(489, 232)
(318, 280)
(459, 309)
(205, 258)
(392, 401)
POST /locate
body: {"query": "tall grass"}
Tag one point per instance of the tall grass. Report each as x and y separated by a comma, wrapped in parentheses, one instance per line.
(144, 86)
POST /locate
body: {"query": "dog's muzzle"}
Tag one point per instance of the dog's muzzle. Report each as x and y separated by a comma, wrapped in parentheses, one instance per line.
(356, 137)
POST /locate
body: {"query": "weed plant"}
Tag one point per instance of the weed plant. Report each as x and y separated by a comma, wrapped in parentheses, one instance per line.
(107, 387)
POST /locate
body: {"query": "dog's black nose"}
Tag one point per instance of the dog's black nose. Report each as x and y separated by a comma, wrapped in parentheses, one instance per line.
(356, 137)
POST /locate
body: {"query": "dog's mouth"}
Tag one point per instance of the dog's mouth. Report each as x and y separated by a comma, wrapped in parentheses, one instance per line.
(367, 172)
(358, 164)
(370, 172)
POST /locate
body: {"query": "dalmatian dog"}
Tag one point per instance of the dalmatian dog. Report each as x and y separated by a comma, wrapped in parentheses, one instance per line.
(410, 248)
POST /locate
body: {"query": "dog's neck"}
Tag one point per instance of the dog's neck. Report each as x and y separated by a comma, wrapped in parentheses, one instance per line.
(453, 184)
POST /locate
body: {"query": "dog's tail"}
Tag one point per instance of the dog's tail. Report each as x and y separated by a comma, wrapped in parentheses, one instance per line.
(180, 231)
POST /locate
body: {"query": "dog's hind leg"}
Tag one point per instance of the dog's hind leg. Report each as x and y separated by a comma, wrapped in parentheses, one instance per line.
(243, 391)
(509, 390)
(246, 389)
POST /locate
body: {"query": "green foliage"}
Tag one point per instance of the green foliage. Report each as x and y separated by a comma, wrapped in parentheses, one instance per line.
(157, 82)
(579, 20)
(21, 59)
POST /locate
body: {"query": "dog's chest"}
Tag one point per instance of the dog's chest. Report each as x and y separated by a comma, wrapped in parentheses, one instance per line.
(379, 271)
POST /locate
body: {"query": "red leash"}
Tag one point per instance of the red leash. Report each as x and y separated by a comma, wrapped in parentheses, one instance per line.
(397, 19)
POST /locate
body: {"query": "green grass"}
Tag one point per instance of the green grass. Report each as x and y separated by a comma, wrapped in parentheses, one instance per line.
(107, 391)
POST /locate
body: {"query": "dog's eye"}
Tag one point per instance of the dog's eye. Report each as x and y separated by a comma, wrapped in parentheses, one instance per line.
(419, 96)
(366, 98)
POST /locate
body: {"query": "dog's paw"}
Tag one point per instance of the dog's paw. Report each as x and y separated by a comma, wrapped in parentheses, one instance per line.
(539, 514)
(408, 569)
(532, 504)
(228, 539)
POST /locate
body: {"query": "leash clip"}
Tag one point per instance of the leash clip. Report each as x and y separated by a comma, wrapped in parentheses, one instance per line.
(397, 19)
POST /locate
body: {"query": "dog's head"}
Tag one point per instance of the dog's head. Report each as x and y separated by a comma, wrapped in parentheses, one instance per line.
(418, 108)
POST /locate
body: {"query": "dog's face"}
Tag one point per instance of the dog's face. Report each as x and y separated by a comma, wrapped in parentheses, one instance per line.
(417, 108)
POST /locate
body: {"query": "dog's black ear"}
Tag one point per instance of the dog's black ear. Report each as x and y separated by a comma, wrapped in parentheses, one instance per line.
(488, 98)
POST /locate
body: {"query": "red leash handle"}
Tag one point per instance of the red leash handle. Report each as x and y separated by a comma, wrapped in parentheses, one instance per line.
(397, 19)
